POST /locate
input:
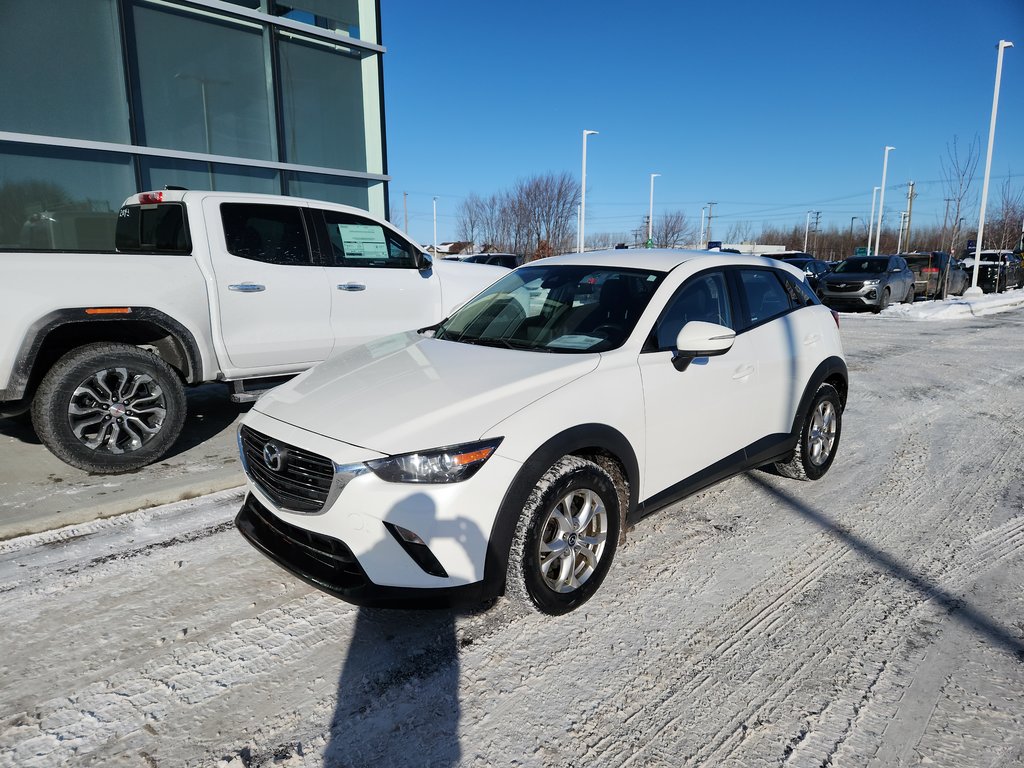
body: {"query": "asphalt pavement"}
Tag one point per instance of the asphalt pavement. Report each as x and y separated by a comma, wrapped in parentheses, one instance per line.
(39, 492)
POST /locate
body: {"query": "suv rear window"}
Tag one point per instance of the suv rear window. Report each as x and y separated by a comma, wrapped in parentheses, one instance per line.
(152, 229)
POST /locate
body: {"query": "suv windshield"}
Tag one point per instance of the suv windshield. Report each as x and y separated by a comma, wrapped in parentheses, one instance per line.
(872, 266)
(555, 308)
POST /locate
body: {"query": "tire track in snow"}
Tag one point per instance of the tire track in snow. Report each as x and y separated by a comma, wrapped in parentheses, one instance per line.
(908, 462)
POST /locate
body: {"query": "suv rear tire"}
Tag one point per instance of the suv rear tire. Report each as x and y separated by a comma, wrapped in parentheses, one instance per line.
(819, 437)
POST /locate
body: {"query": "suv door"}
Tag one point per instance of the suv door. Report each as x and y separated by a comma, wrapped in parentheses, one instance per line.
(273, 301)
(376, 288)
(715, 397)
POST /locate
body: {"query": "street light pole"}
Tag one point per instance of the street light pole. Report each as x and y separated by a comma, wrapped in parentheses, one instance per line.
(650, 213)
(583, 193)
(702, 242)
(807, 228)
(871, 219)
(435, 228)
(899, 239)
(974, 290)
(881, 198)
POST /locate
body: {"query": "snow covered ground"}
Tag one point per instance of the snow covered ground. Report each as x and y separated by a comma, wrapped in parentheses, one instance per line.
(875, 618)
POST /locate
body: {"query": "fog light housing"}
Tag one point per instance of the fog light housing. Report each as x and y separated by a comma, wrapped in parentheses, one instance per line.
(417, 549)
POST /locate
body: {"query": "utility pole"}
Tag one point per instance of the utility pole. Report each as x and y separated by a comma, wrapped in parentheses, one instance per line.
(817, 221)
(910, 210)
(710, 208)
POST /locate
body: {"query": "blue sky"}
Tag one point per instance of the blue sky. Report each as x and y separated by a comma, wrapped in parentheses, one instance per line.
(767, 108)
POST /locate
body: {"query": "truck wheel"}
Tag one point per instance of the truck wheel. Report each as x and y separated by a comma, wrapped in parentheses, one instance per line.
(566, 538)
(109, 408)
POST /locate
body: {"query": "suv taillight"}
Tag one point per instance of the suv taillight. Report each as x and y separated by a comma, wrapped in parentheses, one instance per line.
(835, 316)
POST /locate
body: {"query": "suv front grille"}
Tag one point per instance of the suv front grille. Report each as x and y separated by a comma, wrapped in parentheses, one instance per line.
(856, 285)
(301, 480)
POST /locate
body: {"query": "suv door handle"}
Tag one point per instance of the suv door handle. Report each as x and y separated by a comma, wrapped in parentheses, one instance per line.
(743, 372)
(247, 287)
(351, 287)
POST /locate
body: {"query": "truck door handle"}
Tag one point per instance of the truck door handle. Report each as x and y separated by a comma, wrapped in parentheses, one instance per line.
(351, 287)
(247, 287)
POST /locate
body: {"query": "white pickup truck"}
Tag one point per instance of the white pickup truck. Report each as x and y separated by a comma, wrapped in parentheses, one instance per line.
(203, 286)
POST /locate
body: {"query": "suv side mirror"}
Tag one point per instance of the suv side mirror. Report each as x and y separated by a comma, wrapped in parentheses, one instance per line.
(700, 339)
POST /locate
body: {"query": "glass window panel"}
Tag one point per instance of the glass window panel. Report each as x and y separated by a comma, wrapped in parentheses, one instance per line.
(766, 298)
(158, 172)
(202, 83)
(62, 68)
(270, 233)
(336, 15)
(704, 298)
(322, 105)
(59, 199)
(330, 188)
(359, 242)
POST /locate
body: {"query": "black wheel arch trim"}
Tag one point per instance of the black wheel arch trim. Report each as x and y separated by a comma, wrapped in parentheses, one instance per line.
(39, 331)
(827, 369)
(578, 440)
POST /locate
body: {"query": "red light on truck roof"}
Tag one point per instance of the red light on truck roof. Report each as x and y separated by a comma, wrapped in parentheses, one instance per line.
(151, 198)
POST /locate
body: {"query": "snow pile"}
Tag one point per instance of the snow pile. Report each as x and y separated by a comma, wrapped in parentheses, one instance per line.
(953, 308)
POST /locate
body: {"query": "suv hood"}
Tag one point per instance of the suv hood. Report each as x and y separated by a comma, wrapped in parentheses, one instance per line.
(405, 392)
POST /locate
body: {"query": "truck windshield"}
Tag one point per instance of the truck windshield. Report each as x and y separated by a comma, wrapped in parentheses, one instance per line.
(555, 308)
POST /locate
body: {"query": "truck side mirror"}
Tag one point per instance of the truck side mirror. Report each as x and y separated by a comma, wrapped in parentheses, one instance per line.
(424, 261)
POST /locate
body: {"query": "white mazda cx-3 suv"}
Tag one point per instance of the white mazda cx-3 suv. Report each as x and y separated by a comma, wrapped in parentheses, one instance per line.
(504, 450)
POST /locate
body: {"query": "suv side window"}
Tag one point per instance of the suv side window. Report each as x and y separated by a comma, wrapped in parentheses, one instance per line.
(357, 242)
(800, 294)
(704, 298)
(764, 294)
(269, 233)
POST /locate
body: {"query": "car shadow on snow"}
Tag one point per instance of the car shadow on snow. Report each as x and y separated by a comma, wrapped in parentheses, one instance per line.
(398, 693)
(957, 607)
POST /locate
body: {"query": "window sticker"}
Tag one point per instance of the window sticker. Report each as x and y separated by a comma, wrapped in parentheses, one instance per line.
(363, 241)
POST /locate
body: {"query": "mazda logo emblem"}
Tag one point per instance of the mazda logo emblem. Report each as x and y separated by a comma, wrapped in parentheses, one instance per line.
(273, 456)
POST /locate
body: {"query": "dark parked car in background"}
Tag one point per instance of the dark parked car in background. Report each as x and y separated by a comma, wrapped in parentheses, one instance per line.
(867, 282)
(509, 260)
(812, 268)
(937, 274)
(997, 270)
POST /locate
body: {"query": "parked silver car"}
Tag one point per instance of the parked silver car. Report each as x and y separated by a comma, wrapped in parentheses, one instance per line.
(867, 282)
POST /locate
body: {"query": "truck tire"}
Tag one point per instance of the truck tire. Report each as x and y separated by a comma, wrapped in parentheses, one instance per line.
(109, 408)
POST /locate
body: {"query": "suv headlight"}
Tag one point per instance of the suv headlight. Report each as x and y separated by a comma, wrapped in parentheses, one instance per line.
(871, 282)
(451, 464)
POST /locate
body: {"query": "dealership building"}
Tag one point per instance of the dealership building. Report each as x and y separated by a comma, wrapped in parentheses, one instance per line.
(105, 98)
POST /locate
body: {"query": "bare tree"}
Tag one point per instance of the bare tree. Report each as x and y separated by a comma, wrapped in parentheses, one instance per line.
(469, 217)
(958, 169)
(1006, 225)
(672, 230)
(740, 232)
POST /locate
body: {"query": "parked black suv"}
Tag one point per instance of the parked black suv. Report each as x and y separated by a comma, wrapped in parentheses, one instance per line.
(509, 260)
(813, 268)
